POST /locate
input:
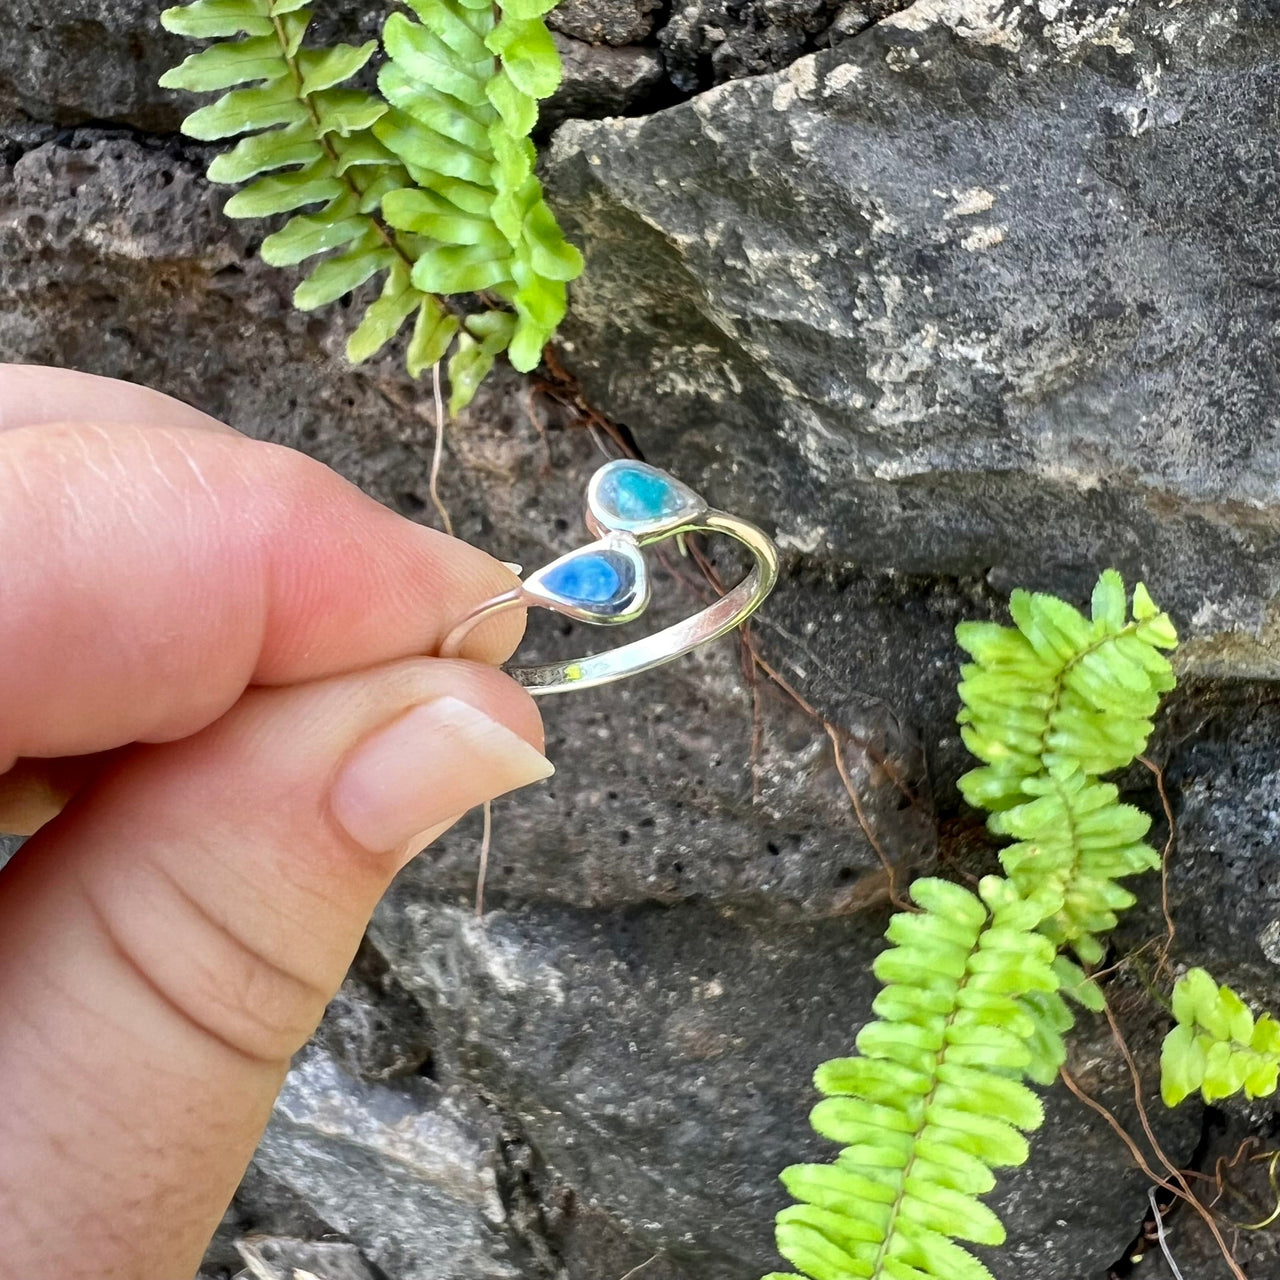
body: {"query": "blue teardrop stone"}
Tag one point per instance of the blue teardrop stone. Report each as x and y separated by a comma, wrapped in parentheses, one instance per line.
(593, 579)
(640, 494)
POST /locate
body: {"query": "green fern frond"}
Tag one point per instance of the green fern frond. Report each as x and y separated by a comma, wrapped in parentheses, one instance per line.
(1218, 1046)
(934, 1102)
(1077, 839)
(1060, 693)
(1048, 705)
(464, 88)
(976, 996)
(430, 187)
(305, 140)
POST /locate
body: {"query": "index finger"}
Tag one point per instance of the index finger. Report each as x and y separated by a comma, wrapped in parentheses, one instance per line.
(149, 573)
(34, 395)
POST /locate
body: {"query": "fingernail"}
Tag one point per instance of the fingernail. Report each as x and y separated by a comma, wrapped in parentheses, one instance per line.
(427, 767)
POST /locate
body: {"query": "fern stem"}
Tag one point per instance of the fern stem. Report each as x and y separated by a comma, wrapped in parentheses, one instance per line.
(938, 1061)
(347, 179)
(1060, 683)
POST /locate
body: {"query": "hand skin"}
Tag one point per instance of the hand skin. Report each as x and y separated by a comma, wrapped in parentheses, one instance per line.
(214, 718)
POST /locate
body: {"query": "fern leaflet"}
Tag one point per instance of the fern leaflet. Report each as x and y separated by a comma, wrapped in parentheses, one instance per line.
(1218, 1046)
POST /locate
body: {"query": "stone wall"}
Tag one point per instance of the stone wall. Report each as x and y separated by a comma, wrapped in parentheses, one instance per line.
(979, 293)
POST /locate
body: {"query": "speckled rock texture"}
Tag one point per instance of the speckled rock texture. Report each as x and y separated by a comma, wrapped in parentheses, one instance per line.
(982, 295)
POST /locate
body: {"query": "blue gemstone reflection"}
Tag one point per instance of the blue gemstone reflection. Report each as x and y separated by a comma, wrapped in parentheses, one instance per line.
(640, 494)
(592, 580)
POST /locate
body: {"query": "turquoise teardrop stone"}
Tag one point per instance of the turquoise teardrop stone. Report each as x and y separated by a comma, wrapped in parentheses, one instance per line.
(639, 494)
(592, 580)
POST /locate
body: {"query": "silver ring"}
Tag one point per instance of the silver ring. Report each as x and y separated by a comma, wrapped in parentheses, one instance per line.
(630, 505)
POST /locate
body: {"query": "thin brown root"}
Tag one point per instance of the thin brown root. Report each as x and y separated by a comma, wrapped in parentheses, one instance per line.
(1183, 1186)
(1124, 962)
(562, 387)
(1274, 1215)
(486, 841)
(1170, 928)
(1094, 1105)
(437, 452)
(1180, 1188)
(539, 425)
(889, 869)
(1222, 1166)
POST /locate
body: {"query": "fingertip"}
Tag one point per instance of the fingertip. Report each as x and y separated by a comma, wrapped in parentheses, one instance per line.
(510, 704)
(477, 577)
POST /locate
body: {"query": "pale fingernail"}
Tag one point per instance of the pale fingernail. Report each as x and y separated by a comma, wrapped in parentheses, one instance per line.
(427, 767)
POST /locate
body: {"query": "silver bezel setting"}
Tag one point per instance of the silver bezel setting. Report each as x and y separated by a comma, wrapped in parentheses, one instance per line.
(628, 609)
(601, 519)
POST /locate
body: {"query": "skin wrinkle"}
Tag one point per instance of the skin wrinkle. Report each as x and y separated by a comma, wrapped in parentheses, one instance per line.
(185, 453)
(311, 992)
(246, 884)
(153, 651)
(314, 902)
(72, 1079)
(121, 482)
(17, 1212)
(185, 1016)
(298, 923)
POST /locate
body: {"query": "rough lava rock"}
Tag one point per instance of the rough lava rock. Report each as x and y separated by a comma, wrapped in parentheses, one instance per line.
(709, 41)
(600, 81)
(706, 42)
(606, 21)
(983, 295)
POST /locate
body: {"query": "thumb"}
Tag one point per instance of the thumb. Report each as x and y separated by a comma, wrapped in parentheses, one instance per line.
(173, 937)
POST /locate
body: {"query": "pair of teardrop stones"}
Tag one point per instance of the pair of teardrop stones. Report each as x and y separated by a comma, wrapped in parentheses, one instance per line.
(607, 581)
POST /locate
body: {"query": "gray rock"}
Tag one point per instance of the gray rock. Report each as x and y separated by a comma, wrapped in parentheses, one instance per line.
(706, 42)
(600, 81)
(373, 1028)
(9, 845)
(1221, 755)
(605, 21)
(631, 1047)
(912, 299)
(279, 1258)
(410, 1171)
(87, 60)
(857, 15)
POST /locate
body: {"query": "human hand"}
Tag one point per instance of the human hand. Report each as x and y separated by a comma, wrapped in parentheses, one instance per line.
(212, 718)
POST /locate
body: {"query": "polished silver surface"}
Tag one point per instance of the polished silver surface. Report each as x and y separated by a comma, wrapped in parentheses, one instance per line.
(623, 525)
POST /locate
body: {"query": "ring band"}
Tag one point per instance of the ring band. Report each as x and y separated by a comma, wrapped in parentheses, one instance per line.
(630, 505)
